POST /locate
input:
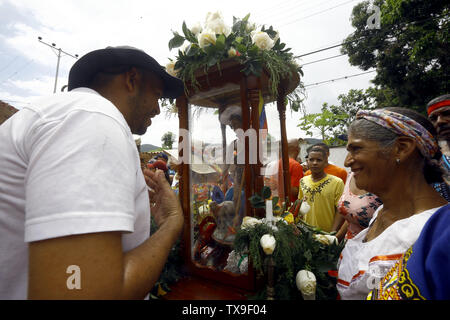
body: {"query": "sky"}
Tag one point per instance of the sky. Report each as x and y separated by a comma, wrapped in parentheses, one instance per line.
(28, 67)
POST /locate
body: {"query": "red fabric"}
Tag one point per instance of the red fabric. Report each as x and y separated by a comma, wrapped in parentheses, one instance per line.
(295, 172)
(158, 164)
(438, 105)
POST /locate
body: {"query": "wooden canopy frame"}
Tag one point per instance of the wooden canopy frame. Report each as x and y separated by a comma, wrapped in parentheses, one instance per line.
(222, 86)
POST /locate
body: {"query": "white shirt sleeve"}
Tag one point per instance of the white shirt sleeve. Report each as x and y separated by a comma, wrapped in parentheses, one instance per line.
(81, 177)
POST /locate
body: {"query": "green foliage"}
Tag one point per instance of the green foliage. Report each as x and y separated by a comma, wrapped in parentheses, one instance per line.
(168, 139)
(295, 250)
(278, 61)
(173, 269)
(350, 103)
(409, 51)
(326, 122)
(259, 200)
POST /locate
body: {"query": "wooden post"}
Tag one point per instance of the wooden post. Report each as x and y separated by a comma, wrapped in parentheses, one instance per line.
(245, 125)
(281, 106)
(270, 280)
(183, 186)
(253, 89)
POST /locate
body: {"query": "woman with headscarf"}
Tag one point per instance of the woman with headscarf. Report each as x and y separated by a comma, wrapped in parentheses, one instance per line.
(391, 153)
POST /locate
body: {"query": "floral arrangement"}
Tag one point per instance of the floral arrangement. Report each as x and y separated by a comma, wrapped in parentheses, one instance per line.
(202, 47)
(303, 255)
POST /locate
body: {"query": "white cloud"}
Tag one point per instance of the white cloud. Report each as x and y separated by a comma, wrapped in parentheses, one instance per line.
(39, 86)
(79, 26)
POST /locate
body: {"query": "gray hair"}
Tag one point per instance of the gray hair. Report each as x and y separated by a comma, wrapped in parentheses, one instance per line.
(386, 138)
(369, 130)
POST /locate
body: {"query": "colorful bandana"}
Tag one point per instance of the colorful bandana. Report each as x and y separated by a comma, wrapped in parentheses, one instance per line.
(405, 126)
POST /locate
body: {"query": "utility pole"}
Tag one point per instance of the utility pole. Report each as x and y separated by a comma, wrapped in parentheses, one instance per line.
(58, 54)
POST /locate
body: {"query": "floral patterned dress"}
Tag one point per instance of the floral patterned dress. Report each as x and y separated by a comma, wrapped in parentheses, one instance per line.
(357, 210)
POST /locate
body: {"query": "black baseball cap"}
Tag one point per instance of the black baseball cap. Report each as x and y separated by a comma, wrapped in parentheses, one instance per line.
(87, 66)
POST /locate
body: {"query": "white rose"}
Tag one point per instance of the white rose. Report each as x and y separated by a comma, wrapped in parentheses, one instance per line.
(268, 243)
(206, 37)
(262, 40)
(249, 222)
(219, 27)
(215, 22)
(196, 28)
(210, 16)
(170, 68)
(325, 239)
(255, 31)
(306, 283)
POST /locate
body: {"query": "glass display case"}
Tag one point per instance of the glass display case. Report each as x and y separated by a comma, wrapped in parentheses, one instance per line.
(227, 156)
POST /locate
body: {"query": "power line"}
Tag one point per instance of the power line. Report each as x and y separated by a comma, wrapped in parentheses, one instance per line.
(337, 79)
(7, 66)
(339, 55)
(278, 9)
(17, 71)
(347, 42)
(314, 14)
(291, 11)
(324, 49)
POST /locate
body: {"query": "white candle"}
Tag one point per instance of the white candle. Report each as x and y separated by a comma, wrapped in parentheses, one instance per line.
(269, 213)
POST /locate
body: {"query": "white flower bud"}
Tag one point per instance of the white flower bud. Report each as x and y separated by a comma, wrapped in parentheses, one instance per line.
(196, 28)
(232, 52)
(268, 243)
(170, 68)
(304, 208)
(306, 283)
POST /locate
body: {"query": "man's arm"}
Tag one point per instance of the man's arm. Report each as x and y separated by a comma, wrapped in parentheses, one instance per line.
(105, 272)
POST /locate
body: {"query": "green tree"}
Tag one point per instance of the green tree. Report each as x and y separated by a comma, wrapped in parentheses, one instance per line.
(409, 50)
(167, 140)
(326, 122)
(350, 103)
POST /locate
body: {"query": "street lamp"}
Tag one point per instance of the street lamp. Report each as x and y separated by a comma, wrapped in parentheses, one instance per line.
(58, 54)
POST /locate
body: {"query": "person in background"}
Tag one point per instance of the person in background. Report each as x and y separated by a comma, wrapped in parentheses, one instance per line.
(391, 153)
(356, 206)
(295, 171)
(305, 165)
(439, 114)
(92, 222)
(422, 272)
(330, 168)
(322, 192)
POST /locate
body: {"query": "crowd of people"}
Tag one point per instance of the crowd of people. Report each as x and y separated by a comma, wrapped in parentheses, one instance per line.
(390, 205)
(393, 209)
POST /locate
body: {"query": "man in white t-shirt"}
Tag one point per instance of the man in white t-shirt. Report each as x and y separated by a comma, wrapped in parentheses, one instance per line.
(74, 205)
